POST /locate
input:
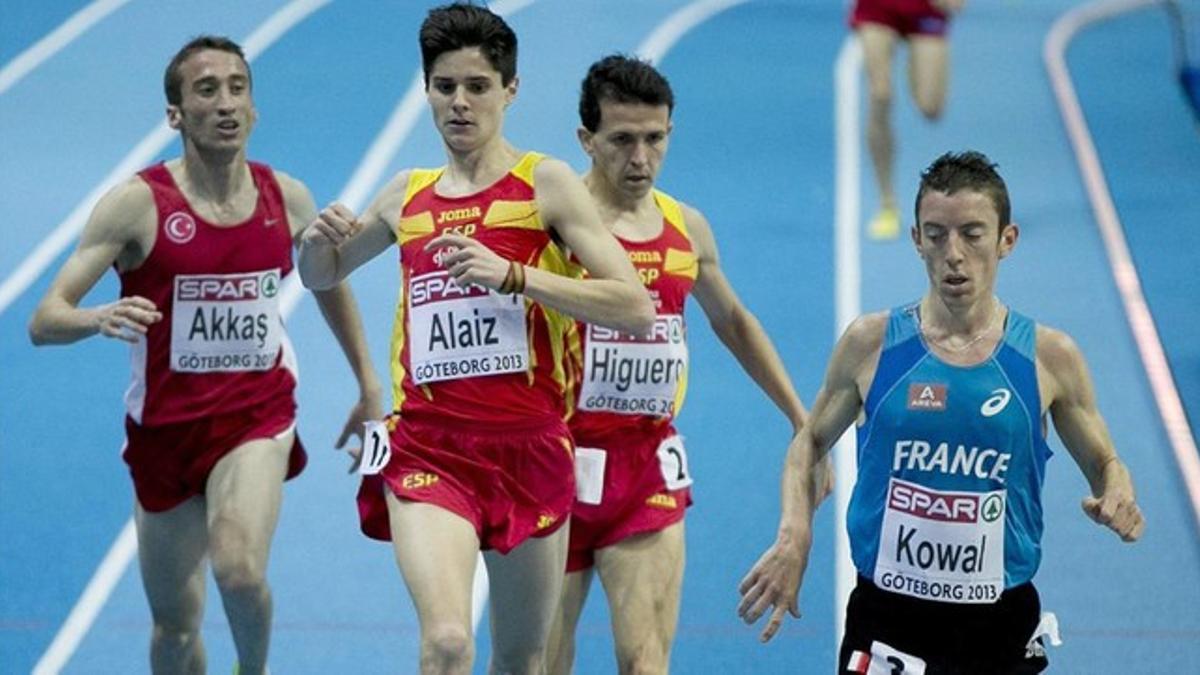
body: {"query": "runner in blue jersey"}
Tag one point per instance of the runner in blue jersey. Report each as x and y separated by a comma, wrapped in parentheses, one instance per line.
(950, 395)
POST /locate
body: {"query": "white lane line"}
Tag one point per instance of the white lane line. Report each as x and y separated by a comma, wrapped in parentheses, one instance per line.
(847, 295)
(1141, 322)
(678, 24)
(55, 41)
(123, 549)
(142, 154)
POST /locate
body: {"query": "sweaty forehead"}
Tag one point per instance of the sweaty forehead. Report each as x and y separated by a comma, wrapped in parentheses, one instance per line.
(959, 208)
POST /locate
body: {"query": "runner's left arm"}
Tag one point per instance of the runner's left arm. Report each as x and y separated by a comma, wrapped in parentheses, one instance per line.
(736, 326)
(1079, 424)
(340, 311)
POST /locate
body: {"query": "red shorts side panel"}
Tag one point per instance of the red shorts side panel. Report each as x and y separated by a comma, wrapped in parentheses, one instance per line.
(171, 463)
(511, 485)
(906, 17)
(635, 500)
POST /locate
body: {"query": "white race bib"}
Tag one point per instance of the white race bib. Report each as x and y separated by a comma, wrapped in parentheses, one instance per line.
(672, 459)
(456, 333)
(945, 546)
(377, 448)
(635, 375)
(225, 322)
(589, 474)
(885, 660)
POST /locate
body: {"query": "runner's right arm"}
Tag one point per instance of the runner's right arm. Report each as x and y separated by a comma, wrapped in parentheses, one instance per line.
(120, 230)
(337, 242)
(775, 579)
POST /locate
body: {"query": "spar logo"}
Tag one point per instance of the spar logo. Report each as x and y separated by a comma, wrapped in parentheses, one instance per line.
(180, 227)
(227, 288)
(951, 507)
(440, 286)
(668, 329)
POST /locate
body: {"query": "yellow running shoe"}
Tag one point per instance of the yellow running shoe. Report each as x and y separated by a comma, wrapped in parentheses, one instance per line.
(885, 224)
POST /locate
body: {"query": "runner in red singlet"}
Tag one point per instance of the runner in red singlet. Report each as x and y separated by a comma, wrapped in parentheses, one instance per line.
(632, 470)
(881, 25)
(481, 457)
(202, 245)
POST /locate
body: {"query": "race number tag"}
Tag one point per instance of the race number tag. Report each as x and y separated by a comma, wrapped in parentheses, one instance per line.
(885, 660)
(946, 546)
(224, 323)
(377, 448)
(635, 375)
(589, 474)
(460, 332)
(672, 459)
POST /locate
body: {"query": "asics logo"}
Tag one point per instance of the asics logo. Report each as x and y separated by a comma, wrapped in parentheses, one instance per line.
(995, 403)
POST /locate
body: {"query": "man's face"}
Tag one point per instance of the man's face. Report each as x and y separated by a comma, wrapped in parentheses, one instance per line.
(216, 110)
(960, 239)
(628, 147)
(467, 98)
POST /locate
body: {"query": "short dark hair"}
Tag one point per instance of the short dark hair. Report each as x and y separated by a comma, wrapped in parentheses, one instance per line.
(623, 79)
(968, 170)
(460, 25)
(173, 81)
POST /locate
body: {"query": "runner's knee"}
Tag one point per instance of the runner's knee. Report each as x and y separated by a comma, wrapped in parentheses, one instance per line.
(175, 635)
(880, 94)
(648, 657)
(446, 646)
(239, 572)
(523, 658)
(930, 107)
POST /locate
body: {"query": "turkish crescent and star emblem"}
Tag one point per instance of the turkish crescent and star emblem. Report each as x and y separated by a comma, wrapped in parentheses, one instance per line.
(180, 227)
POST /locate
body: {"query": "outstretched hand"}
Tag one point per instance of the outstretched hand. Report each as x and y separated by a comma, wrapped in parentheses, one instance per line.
(774, 583)
(1118, 511)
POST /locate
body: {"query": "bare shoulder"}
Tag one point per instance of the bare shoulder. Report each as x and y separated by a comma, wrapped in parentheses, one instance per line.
(1056, 350)
(700, 232)
(1062, 371)
(554, 173)
(292, 188)
(126, 212)
(864, 335)
(389, 200)
(695, 220)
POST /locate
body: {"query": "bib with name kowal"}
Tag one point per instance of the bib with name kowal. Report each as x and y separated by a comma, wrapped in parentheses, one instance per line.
(461, 332)
(942, 545)
(225, 322)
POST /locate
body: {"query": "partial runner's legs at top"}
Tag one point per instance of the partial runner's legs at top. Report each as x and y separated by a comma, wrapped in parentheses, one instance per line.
(928, 75)
(879, 46)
